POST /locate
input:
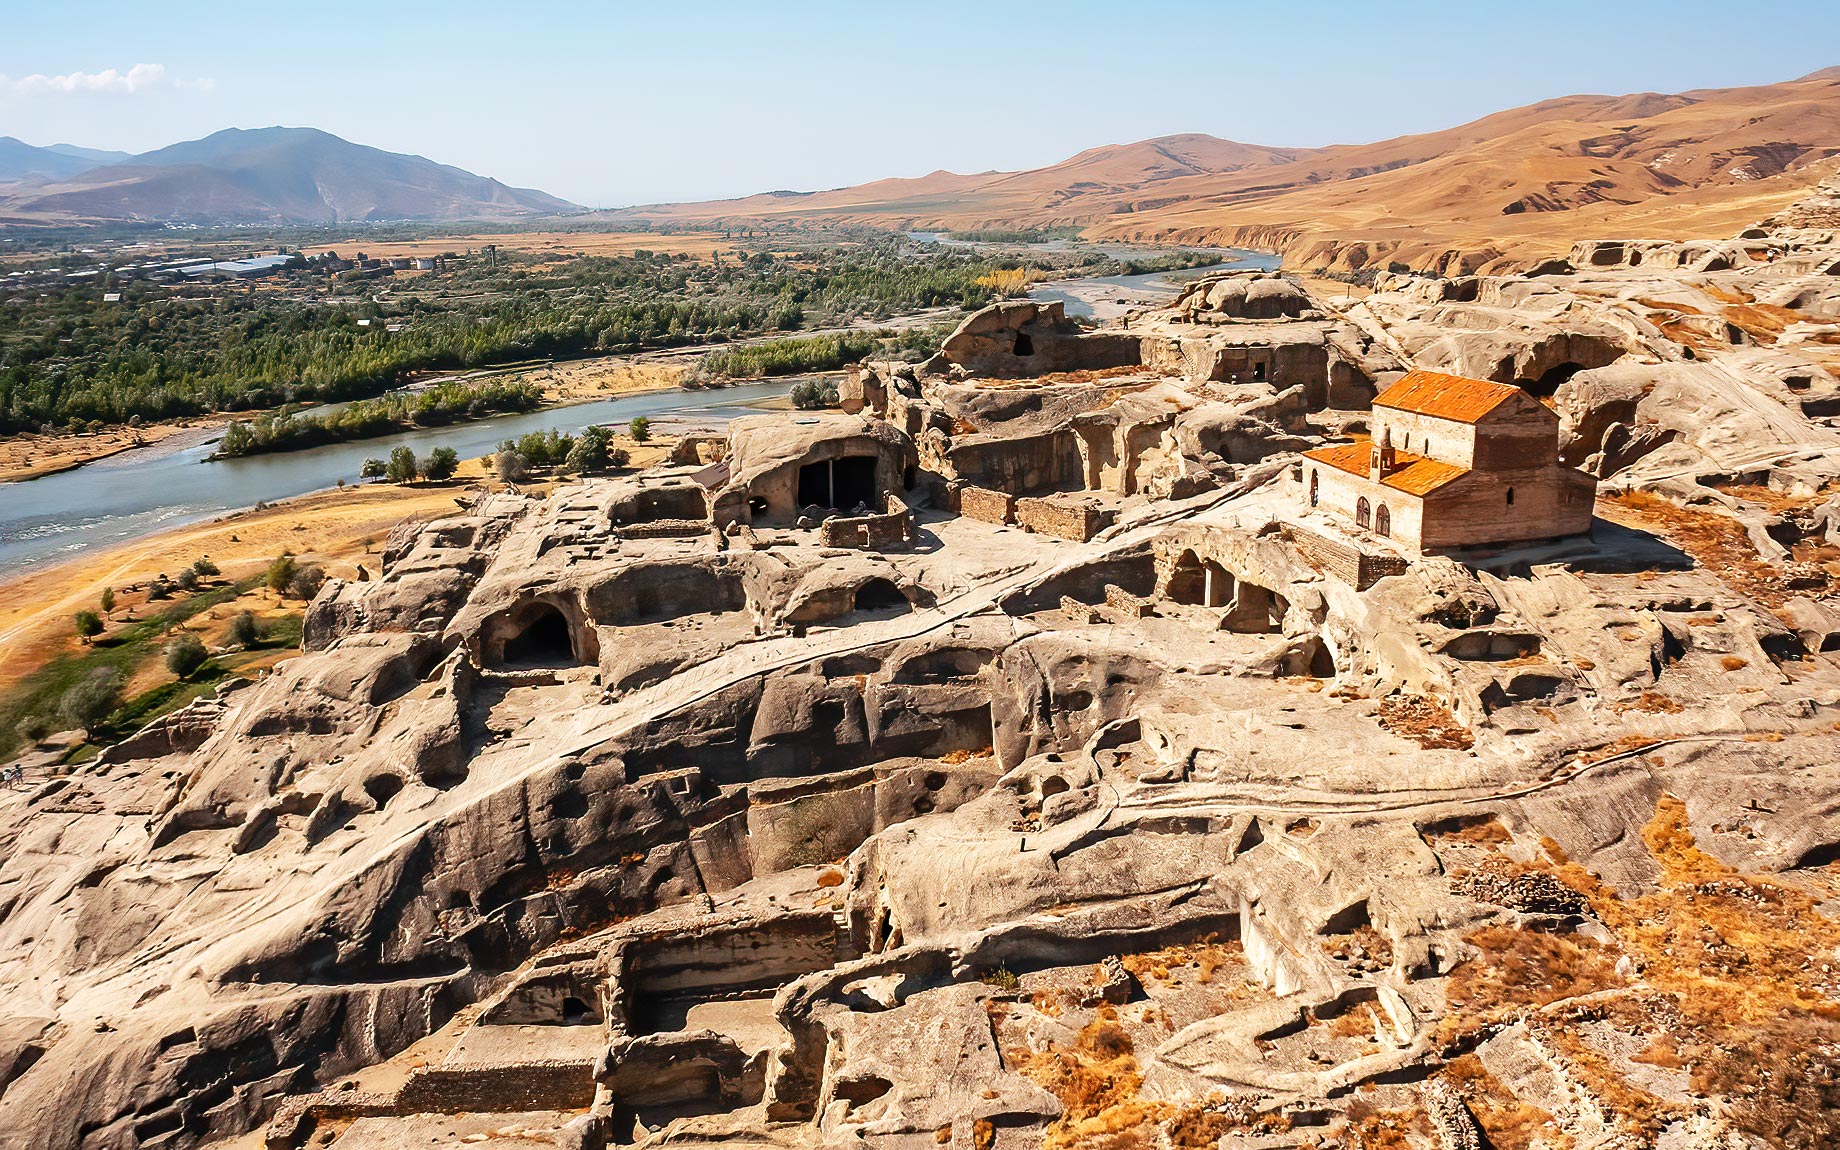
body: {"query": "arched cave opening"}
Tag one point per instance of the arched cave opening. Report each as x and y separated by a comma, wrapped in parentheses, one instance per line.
(1551, 379)
(1024, 345)
(879, 595)
(382, 788)
(1187, 579)
(544, 641)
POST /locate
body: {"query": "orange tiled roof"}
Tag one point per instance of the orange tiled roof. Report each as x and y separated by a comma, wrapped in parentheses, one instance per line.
(1412, 474)
(1446, 396)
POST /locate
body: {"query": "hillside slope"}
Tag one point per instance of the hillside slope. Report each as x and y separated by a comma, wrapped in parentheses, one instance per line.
(20, 160)
(274, 175)
(1501, 191)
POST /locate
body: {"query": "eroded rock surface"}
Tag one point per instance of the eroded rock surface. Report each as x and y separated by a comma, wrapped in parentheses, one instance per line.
(1021, 760)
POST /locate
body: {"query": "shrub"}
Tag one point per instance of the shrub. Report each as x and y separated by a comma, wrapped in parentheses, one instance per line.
(108, 600)
(373, 469)
(441, 464)
(640, 429)
(188, 580)
(185, 654)
(31, 729)
(810, 395)
(160, 588)
(204, 567)
(244, 630)
(307, 581)
(89, 624)
(510, 465)
(403, 466)
(280, 572)
(1002, 979)
(92, 699)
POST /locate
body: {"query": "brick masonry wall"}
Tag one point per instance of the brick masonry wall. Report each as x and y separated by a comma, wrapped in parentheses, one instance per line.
(1359, 569)
(498, 1087)
(987, 505)
(1062, 518)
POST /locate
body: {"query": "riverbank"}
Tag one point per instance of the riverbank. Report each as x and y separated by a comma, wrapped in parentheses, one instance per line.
(341, 530)
(31, 455)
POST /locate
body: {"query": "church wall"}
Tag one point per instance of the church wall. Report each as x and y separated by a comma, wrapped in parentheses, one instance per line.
(1548, 502)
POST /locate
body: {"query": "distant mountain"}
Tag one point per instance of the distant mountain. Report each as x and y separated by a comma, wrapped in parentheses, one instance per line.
(93, 155)
(272, 176)
(1499, 192)
(20, 160)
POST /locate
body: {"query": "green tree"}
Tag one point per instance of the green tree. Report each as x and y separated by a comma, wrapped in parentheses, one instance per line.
(237, 440)
(373, 469)
(441, 464)
(403, 466)
(280, 572)
(188, 580)
(89, 624)
(185, 654)
(244, 631)
(589, 455)
(640, 429)
(203, 567)
(108, 601)
(92, 699)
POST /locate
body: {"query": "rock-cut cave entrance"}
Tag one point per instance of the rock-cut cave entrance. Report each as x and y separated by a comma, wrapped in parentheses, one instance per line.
(1551, 380)
(544, 641)
(879, 595)
(843, 483)
(1200, 582)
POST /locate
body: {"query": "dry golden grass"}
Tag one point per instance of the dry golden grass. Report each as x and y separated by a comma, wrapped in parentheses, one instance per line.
(1510, 1123)
(1716, 542)
(1651, 703)
(1098, 1081)
(1724, 959)
(1367, 1127)
(1424, 720)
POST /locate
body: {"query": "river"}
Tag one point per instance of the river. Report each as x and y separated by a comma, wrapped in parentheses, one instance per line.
(1107, 297)
(172, 483)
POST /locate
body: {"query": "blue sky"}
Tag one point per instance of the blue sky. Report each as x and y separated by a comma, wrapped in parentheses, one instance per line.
(612, 103)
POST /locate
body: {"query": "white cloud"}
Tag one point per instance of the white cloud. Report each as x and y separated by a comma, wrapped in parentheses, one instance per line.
(112, 81)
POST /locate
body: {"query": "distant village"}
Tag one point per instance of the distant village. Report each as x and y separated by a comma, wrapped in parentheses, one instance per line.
(192, 269)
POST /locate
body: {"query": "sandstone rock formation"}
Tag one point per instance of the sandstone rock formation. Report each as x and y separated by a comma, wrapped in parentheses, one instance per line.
(1019, 760)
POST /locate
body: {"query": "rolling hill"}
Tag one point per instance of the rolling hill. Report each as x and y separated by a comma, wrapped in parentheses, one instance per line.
(20, 160)
(269, 175)
(1502, 191)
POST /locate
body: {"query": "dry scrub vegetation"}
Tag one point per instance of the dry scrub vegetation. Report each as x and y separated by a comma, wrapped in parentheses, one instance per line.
(1716, 542)
(1425, 721)
(1728, 975)
(1097, 1079)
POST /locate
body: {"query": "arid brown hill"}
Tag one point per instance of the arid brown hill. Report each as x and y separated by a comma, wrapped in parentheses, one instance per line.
(1504, 191)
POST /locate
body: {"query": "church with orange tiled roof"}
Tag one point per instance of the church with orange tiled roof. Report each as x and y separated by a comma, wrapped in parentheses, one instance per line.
(1452, 462)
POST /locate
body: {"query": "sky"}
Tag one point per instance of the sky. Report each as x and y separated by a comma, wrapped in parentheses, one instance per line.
(609, 104)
